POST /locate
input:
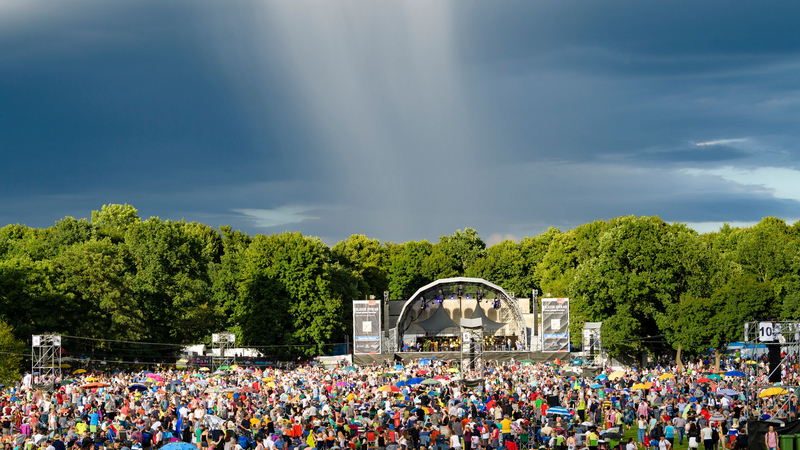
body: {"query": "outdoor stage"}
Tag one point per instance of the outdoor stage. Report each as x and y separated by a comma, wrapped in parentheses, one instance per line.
(407, 357)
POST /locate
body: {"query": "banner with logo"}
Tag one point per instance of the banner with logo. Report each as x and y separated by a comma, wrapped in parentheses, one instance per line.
(555, 325)
(366, 327)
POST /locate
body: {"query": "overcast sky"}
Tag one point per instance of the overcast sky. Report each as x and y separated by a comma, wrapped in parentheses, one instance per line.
(401, 120)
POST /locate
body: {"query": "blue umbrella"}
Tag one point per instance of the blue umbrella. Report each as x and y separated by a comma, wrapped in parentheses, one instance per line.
(137, 387)
(596, 386)
(179, 446)
(398, 367)
(601, 377)
(413, 381)
(400, 383)
(734, 373)
(424, 362)
(558, 411)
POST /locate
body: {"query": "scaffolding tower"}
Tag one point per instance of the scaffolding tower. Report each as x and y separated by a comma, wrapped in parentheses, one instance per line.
(784, 334)
(224, 342)
(472, 347)
(45, 357)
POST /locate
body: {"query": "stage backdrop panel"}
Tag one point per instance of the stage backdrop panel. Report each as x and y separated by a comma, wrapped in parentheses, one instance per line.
(555, 325)
(367, 327)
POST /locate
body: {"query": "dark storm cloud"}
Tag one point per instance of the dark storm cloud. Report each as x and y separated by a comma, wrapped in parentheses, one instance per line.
(399, 120)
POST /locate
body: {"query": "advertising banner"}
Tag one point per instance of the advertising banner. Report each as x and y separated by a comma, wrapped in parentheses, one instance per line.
(366, 327)
(555, 325)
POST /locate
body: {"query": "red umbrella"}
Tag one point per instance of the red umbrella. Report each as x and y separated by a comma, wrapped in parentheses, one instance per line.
(703, 380)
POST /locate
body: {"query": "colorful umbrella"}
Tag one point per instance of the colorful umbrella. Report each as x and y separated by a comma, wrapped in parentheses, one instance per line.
(559, 411)
(734, 373)
(388, 388)
(771, 392)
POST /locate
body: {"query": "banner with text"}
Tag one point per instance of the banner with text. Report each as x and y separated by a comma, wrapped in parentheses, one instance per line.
(366, 327)
(555, 325)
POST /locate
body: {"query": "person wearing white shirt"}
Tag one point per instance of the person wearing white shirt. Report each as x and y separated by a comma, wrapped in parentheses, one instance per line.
(705, 435)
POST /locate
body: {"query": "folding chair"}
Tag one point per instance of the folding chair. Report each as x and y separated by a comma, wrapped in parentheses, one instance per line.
(524, 441)
(372, 440)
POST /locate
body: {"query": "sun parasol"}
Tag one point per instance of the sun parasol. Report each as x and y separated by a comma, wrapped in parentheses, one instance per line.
(666, 376)
(559, 411)
(388, 388)
(616, 375)
(771, 392)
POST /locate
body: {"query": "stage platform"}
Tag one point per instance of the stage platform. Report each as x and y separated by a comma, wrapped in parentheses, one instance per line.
(407, 357)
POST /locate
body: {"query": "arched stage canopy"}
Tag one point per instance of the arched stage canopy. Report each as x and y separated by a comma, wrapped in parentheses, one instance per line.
(440, 321)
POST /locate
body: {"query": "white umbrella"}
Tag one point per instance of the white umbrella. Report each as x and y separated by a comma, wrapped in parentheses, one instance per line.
(213, 421)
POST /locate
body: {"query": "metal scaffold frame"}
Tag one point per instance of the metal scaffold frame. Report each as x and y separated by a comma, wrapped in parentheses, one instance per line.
(224, 342)
(784, 333)
(45, 357)
(472, 346)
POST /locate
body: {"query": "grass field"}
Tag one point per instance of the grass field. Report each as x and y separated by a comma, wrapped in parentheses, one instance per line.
(632, 434)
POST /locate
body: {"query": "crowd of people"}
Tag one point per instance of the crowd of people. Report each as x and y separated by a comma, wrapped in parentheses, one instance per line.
(418, 404)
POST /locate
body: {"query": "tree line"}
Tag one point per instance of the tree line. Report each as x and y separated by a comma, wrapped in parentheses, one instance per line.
(121, 280)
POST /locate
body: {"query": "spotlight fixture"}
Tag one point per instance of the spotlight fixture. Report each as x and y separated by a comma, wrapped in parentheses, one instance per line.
(460, 291)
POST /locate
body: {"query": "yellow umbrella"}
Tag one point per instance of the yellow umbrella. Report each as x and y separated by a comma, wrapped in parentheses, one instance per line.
(79, 371)
(771, 392)
(452, 370)
(65, 366)
(235, 366)
(616, 375)
(751, 362)
(665, 376)
(269, 379)
(90, 379)
(204, 369)
(271, 384)
(640, 386)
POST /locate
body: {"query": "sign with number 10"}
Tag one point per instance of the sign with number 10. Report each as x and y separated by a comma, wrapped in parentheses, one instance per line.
(766, 332)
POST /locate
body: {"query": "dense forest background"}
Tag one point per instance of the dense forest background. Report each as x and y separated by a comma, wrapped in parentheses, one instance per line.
(114, 281)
